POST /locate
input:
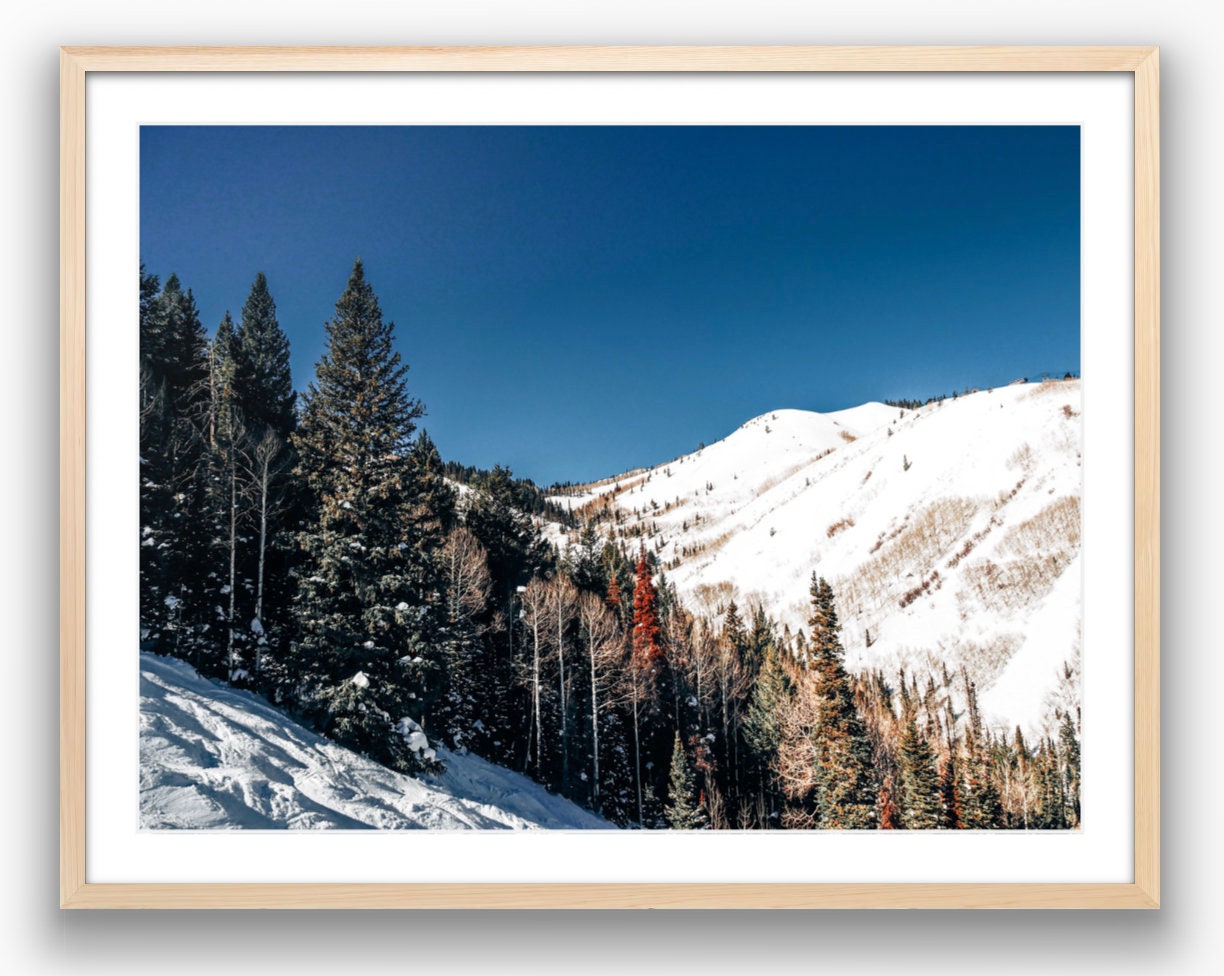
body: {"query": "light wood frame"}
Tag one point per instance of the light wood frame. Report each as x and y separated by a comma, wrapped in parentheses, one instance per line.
(1143, 892)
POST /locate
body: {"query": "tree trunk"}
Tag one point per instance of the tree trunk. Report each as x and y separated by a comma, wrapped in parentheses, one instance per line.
(535, 694)
(259, 584)
(233, 555)
(594, 732)
(561, 681)
(637, 751)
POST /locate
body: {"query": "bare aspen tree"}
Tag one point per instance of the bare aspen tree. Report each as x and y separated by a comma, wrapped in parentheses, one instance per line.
(605, 646)
(702, 666)
(535, 602)
(733, 682)
(798, 760)
(231, 448)
(564, 597)
(468, 583)
(266, 460)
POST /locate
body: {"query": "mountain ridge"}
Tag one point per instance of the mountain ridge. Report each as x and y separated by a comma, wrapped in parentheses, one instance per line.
(950, 532)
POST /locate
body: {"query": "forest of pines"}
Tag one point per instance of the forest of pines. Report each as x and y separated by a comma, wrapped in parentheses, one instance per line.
(316, 549)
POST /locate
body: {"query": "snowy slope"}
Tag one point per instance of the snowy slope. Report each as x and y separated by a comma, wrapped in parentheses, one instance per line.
(950, 533)
(215, 757)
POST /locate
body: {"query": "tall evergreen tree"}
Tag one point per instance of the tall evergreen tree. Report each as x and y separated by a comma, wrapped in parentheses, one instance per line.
(174, 402)
(763, 726)
(1070, 749)
(368, 602)
(682, 810)
(921, 800)
(262, 378)
(849, 787)
(950, 790)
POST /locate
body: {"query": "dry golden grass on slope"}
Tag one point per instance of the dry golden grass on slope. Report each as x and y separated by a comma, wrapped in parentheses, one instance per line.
(924, 541)
(838, 526)
(1049, 386)
(1040, 549)
(983, 660)
(1057, 526)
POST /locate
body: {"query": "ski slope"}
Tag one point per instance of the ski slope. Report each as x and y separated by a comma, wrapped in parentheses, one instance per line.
(215, 757)
(950, 533)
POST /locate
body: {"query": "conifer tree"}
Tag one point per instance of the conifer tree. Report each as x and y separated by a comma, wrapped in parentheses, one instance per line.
(950, 790)
(1070, 749)
(921, 807)
(646, 648)
(682, 810)
(174, 401)
(849, 788)
(262, 380)
(981, 805)
(368, 600)
(763, 725)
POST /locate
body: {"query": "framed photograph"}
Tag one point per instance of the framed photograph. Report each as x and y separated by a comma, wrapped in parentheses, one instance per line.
(609, 477)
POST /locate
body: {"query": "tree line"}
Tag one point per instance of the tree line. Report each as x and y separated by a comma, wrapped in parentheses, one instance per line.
(314, 548)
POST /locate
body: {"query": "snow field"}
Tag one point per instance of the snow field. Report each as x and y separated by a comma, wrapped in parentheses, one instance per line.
(212, 756)
(949, 532)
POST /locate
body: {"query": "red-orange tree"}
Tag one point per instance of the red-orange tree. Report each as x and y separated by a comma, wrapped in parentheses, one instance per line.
(646, 649)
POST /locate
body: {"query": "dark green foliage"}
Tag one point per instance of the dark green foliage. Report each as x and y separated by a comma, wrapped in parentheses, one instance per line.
(174, 541)
(849, 788)
(263, 381)
(507, 533)
(368, 595)
(950, 791)
(1069, 750)
(921, 799)
(762, 728)
(981, 807)
(526, 495)
(435, 498)
(682, 810)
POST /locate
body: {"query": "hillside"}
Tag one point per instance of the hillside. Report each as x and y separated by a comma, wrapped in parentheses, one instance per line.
(950, 533)
(215, 757)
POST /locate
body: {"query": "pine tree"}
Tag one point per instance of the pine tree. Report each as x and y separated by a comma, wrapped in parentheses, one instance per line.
(682, 810)
(981, 806)
(263, 391)
(1070, 749)
(368, 604)
(950, 791)
(921, 807)
(849, 788)
(174, 543)
(262, 380)
(762, 727)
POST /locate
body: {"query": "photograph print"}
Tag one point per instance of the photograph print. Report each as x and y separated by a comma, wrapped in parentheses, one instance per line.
(610, 477)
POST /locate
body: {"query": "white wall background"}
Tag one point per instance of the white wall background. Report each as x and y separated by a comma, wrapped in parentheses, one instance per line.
(36, 937)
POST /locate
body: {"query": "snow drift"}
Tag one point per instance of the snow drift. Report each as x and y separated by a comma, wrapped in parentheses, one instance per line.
(212, 756)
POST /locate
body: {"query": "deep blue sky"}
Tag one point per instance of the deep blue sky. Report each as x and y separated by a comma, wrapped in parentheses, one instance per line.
(576, 301)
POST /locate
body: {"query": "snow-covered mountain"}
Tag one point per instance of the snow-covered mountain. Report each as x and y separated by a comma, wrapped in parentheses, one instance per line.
(950, 533)
(215, 757)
